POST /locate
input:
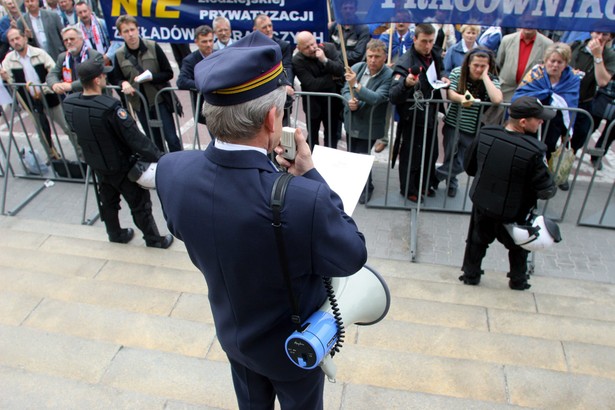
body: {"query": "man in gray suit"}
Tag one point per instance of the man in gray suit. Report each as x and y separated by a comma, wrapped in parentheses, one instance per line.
(44, 28)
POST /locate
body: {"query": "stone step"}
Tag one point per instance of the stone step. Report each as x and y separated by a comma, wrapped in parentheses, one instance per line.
(116, 373)
(130, 324)
(90, 256)
(504, 384)
(154, 375)
(186, 327)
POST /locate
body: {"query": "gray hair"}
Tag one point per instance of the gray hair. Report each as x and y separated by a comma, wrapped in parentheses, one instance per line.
(242, 121)
(219, 20)
(74, 28)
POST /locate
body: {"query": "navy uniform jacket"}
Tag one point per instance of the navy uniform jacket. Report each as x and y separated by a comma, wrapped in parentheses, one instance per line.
(218, 203)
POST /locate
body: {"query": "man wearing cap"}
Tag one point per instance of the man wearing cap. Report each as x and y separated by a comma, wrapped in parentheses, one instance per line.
(510, 174)
(218, 203)
(110, 139)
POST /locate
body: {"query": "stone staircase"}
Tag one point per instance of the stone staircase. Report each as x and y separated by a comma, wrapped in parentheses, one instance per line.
(88, 324)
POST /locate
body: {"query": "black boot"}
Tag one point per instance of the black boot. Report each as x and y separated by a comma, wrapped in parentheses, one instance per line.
(162, 242)
(472, 280)
(146, 223)
(122, 236)
(518, 282)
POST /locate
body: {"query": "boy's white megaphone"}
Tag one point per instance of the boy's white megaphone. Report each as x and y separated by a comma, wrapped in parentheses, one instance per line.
(361, 299)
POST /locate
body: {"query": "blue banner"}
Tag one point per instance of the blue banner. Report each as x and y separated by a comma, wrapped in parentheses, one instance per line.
(568, 15)
(174, 21)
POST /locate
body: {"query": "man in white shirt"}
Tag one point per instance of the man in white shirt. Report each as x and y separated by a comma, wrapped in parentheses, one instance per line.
(28, 64)
(222, 30)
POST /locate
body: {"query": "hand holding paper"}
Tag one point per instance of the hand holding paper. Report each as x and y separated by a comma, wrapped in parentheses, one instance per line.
(144, 77)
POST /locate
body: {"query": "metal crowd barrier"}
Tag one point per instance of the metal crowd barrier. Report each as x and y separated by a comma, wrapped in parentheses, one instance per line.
(386, 196)
(597, 210)
(44, 164)
(190, 126)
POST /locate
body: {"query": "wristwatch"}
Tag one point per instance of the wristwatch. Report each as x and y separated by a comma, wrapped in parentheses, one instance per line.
(597, 60)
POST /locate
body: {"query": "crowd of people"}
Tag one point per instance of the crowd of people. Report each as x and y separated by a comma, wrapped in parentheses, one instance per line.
(376, 67)
(63, 55)
(520, 62)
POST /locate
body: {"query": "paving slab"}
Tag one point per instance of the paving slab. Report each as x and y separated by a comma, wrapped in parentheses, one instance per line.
(50, 262)
(173, 376)
(361, 397)
(421, 373)
(90, 291)
(475, 345)
(462, 295)
(20, 389)
(177, 279)
(438, 313)
(558, 390)
(15, 307)
(129, 252)
(576, 307)
(54, 354)
(552, 327)
(122, 327)
(590, 359)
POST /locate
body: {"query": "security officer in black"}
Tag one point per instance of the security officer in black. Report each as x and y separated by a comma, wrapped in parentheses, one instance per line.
(510, 175)
(110, 138)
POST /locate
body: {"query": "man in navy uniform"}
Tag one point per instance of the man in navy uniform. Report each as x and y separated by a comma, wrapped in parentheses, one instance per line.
(510, 174)
(218, 203)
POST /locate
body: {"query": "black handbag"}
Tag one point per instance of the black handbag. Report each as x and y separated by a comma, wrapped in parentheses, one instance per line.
(603, 105)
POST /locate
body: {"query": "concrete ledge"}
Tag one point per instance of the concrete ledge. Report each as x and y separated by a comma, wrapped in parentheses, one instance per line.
(552, 327)
(420, 373)
(122, 328)
(557, 390)
(481, 346)
(90, 291)
(361, 397)
(54, 354)
(20, 389)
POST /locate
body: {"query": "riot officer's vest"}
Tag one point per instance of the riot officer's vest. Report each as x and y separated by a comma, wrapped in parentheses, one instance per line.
(88, 117)
(505, 162)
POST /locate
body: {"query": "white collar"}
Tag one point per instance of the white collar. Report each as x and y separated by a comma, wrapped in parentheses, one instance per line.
(228, 146)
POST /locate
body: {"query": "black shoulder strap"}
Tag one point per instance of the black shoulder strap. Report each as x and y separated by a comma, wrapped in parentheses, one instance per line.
(278, 193)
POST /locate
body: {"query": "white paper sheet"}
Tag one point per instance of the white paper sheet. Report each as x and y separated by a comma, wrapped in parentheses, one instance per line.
(433, 79)
(345, 172)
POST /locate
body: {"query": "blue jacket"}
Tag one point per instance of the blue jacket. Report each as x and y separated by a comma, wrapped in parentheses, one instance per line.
(218, 203)
(453, 58)
(397, 46)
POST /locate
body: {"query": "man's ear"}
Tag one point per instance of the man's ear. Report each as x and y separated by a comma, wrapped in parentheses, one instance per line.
(270, 119)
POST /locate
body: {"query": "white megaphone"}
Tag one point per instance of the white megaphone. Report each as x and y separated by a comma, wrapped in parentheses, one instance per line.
(361, 299)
